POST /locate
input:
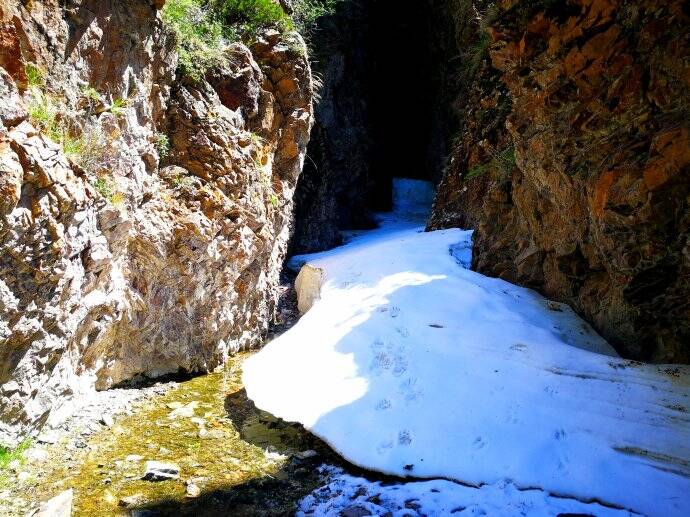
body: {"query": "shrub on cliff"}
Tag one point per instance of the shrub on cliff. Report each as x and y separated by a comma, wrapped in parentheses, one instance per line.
(204, 27)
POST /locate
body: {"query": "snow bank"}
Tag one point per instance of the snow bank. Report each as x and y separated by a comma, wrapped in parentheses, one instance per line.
(349, 495)
(411, 364)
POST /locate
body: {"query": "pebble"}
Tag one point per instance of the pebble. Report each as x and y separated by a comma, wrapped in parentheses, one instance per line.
(58, 506)
(192, 490)
(159, 471)
(107, 420)
(306, 454)
(36, 455)
(23, 476)
(131, 501)
(184, 411)
(48, 437)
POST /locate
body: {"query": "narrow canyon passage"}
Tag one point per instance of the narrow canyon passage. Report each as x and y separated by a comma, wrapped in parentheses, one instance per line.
(344, 258)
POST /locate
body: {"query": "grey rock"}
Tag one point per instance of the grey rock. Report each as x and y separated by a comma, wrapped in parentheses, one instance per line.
(58, 506)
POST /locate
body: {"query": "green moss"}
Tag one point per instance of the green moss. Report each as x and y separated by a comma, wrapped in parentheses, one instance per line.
(9, 455)
(162, 144)
(118, 107)
(234, 462)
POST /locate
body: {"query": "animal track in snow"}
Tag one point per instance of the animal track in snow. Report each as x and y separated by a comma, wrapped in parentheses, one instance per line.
(404, 437)
(410, 390)
(402, 331)
(479, 443)
(400, 365)
(383, 405)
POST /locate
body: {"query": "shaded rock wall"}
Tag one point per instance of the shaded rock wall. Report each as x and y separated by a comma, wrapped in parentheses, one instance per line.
(115, 261)
(573, 162)
(384, 73)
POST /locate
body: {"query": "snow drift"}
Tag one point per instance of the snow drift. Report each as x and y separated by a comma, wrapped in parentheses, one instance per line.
(411, 364)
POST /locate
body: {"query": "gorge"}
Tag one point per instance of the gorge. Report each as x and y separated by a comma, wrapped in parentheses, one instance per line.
(165, 165)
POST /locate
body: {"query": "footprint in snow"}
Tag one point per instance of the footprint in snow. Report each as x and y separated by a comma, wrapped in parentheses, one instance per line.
(404, 437)
(384, 446)
(402, 331)
(400, 365)
(410, 390)
(381, 361)
(383, 405)
(479, 443)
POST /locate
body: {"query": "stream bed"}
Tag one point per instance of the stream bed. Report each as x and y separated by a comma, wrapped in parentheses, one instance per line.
(241, 461)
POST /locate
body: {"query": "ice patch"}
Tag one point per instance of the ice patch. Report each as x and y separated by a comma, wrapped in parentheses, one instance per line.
(343, 494)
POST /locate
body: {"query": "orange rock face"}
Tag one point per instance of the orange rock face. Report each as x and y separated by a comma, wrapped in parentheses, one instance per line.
(595, 211)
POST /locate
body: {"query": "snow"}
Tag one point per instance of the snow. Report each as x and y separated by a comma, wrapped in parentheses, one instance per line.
(411, 364)
(343, 493)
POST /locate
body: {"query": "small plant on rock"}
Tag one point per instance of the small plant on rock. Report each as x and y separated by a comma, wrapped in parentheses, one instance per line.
(162, 143)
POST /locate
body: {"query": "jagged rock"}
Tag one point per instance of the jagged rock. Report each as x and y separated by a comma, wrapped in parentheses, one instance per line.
(12, 109)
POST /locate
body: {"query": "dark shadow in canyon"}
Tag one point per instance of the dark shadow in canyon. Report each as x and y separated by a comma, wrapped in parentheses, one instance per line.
(379, 69)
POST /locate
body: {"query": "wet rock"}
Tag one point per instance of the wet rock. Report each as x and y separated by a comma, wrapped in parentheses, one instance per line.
(304, 455)
(159, 471)
(58, 506)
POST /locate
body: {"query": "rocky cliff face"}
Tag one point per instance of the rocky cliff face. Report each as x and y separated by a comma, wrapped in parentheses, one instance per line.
(573, 161)
(144, 217)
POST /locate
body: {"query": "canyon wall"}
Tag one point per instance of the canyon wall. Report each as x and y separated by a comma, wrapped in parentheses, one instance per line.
(144, 216)
(572, 160)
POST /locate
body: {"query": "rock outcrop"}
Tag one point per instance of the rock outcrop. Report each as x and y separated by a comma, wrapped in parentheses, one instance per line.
(574, 163)
(143, 225)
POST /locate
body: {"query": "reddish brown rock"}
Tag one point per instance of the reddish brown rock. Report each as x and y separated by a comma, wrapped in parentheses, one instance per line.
(595, 211)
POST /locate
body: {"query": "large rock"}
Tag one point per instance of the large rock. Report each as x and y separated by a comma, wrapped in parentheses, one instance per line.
(584, 194)
(114, 265)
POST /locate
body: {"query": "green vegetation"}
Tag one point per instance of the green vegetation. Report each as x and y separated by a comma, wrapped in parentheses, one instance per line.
(90, 93)
(162, 144)
(106, 188)
(204, 27)
(9, 455)
(34, 76)
(118, 107)
(249, 16)
(306, 12)
(43, 112)
(199, 34)
(273, 200)
(502, 162)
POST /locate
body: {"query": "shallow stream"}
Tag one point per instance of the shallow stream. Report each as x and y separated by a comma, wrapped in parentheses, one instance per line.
(243, 460)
